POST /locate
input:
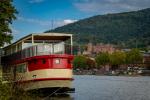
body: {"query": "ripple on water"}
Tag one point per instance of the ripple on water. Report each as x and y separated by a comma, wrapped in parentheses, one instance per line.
(111, 88)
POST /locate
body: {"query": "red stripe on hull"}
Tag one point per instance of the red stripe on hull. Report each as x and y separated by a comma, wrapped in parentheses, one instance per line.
(47, 62)
(41, 57)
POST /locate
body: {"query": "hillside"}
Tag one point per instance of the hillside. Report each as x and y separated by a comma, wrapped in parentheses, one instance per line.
(129, 29)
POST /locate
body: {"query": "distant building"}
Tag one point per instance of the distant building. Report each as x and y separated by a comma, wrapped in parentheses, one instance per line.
(103, 48)
(95, 49)
(125, 50)
(146, 60)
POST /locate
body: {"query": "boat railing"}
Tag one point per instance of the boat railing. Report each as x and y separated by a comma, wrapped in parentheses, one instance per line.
(37, 50)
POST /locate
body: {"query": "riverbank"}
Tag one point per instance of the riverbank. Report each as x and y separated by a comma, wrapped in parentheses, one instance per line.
(8, 92)
(107, 73)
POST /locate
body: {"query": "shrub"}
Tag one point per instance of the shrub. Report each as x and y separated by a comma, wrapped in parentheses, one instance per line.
(80, 62)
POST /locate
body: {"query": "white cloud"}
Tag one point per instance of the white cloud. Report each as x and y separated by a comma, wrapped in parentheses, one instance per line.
(110, 6)
(36, 1)
(58, 23)
(15, 31)
(69, 21)
(55, 23)
(35, 21)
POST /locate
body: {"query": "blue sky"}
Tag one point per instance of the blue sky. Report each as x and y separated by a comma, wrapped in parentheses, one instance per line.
(36, 16)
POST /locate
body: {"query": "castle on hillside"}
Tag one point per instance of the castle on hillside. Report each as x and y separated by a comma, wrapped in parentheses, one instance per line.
(95, 49)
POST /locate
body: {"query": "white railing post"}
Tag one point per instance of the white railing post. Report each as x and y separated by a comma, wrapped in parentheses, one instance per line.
(71, 45)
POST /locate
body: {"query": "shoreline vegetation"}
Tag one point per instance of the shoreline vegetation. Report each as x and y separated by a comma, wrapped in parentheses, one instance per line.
(8, 92)
(98, 72)
(126, 63)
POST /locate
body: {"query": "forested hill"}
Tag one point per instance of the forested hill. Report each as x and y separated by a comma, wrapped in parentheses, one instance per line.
(129, 29)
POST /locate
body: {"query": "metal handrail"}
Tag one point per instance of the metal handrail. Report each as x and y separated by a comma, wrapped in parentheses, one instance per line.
(37, 50)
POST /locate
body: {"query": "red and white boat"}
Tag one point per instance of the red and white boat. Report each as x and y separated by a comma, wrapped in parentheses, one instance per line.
(39, 61)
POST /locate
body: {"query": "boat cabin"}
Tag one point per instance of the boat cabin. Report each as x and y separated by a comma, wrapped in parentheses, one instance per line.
(40, 44)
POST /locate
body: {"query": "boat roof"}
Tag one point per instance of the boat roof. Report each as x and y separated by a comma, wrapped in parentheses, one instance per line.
(43, 36)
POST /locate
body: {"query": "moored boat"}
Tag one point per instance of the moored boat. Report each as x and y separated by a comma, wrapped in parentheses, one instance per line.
(39, 61)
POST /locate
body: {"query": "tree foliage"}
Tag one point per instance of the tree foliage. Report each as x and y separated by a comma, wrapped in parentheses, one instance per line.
(83, 62)
(90, 62)
(134, 56)
(7, 15)
(80, 62)
(117, 58)
(102, 59)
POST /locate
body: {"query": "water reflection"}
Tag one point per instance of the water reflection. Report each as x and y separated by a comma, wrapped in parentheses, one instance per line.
(60, 97)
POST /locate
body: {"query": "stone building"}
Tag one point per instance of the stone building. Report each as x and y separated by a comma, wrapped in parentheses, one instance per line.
(146, 60)
(95, 49)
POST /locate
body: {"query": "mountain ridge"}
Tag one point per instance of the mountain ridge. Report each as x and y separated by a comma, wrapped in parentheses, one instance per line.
(126, 29)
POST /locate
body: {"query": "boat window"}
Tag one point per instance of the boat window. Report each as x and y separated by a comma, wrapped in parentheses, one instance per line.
(57, 61)
(43, 61)
(35, 61)
(21, 68)
(30, 62)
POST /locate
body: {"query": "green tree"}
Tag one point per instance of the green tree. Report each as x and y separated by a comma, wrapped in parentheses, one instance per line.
(102, 59)
(117, 58)
(90, 63)
(134, 56)
(80, 62)
(7, 15)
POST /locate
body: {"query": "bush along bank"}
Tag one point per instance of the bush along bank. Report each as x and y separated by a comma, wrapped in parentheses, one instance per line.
(116, 63)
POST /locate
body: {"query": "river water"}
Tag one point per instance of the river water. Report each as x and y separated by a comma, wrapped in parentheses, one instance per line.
(90, 87)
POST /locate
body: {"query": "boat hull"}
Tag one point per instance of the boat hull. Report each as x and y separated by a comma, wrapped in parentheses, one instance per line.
(41, 84)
